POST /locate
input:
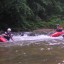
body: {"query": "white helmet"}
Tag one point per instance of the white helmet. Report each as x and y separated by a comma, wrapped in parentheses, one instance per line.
(9, 29)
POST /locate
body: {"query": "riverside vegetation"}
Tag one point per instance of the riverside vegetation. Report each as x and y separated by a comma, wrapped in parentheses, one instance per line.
(31, 14)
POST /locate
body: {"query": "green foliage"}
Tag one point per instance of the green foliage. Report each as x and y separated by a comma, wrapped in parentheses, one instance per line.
(31, 14)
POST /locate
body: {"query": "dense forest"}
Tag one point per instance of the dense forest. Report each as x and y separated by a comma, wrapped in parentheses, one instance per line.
(31, 14)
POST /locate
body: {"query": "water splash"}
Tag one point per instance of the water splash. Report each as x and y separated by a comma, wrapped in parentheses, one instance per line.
(37, 39)
(26, 40)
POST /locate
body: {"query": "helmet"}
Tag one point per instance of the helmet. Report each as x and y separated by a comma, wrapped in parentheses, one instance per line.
(9, 29)
(57, 25)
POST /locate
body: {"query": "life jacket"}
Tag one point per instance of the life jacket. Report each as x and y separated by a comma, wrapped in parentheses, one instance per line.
(59, 27)
(7, 35)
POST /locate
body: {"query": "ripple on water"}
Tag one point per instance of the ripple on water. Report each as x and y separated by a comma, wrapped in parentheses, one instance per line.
(33, 53)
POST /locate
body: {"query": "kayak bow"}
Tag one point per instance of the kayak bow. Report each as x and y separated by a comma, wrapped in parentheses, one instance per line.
(56, 34)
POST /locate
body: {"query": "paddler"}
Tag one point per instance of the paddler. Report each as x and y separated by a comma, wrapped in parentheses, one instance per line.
(8, 34)
(58, 28)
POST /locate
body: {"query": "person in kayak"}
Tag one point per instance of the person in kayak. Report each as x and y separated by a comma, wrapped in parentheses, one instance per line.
(59, 28)
(58, 31)
(8, 34)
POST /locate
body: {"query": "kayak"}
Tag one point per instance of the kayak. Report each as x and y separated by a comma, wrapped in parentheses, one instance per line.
(56, 34)
(2, 39)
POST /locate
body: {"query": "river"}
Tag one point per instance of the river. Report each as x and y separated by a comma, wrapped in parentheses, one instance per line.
(39, 49)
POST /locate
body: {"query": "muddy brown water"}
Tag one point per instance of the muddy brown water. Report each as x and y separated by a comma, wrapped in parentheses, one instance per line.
(34, 53)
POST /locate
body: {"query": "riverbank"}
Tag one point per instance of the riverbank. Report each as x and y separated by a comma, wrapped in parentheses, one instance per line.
(44, 31)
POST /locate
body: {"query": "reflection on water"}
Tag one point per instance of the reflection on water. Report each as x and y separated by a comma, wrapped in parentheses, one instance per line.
(34, 53)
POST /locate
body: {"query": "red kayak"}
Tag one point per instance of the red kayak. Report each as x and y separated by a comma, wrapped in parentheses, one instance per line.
(2, 39)
(56, 34)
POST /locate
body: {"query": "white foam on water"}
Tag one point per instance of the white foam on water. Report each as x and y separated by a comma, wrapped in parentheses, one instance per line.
(35, 38)
(38, 40)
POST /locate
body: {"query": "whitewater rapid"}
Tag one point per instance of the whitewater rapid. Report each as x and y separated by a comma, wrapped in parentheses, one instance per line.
(39, 39)
(35, 38)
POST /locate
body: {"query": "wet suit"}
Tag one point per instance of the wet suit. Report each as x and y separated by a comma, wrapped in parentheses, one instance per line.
(8, 35)
(59, 29)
